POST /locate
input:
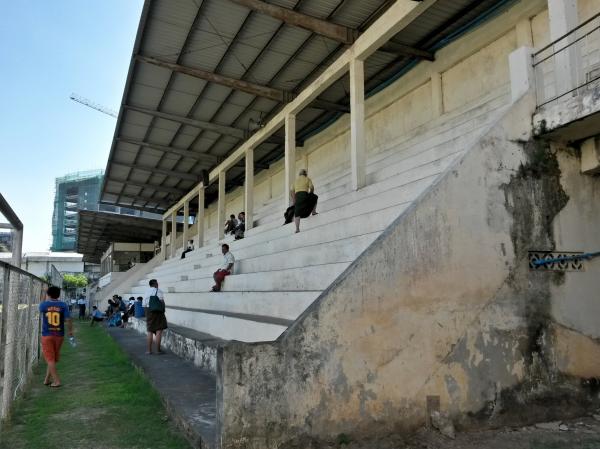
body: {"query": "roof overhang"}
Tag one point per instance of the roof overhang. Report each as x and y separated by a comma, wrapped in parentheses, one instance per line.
(97, 230)
(205, 75)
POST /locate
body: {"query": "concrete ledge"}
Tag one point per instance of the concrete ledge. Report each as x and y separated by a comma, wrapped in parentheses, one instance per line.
(188, 392)
(196, 347)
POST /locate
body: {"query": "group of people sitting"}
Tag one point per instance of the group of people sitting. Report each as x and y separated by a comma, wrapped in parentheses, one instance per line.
(117, 313)
(236, 226)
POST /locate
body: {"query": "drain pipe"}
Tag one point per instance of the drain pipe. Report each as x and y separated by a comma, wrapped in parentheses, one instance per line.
(17, 231)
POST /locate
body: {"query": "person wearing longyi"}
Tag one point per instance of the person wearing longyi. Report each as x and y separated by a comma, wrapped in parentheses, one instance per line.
(55, 314)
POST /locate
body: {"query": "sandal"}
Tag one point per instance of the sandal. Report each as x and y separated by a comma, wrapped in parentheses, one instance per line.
(55, 386)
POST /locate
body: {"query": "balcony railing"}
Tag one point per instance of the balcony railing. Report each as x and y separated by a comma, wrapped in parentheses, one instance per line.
(570, 65)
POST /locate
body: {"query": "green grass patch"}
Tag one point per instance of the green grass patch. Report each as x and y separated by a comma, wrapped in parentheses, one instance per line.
(103, 403)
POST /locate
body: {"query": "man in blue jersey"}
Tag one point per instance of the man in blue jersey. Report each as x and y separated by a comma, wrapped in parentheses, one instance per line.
(54, 314)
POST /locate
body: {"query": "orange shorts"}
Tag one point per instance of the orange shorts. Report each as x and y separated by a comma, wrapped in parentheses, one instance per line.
(51, 347)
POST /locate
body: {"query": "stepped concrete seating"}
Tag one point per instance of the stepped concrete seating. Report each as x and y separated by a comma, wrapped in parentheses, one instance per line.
(279, 273)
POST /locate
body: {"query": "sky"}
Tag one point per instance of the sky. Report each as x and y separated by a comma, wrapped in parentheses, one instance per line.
(48, 50)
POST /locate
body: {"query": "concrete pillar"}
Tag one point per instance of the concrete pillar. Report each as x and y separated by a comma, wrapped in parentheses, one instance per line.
(200, 217)
(173, 232)
(437, 95)
(163, 242)
(249, 188)
(221, 206)
(522, 75)
(186, 219)
(358, 150)
(290, 158)
(564, 16)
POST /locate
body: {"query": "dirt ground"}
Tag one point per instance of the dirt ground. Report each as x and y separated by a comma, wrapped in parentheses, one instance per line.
(582, 433)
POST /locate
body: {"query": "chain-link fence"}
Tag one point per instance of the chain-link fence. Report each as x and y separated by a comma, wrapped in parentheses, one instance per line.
(20, 295)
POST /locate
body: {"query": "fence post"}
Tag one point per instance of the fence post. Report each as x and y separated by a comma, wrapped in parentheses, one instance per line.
(10, 304)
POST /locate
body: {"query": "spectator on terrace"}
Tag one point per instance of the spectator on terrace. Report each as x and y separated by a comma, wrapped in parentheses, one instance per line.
(304, 198)
(156, 322)
(225, 270)
(189, 248)
(241, 227)
(231, 225)
(97, 316)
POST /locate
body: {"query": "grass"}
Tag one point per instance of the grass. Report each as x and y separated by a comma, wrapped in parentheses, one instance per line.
(103, 403)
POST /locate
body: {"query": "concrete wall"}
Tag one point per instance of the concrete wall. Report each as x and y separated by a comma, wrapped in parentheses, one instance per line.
(443, 305)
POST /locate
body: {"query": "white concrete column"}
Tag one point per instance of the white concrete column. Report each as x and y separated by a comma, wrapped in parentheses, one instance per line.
(173, 232)
(249, 188)
(564, 16)
(437, 95)
(200, 217)
(163, 242)
(186, 219)
(290, 158)
(522, 75)
(357, 124)
(221, 206)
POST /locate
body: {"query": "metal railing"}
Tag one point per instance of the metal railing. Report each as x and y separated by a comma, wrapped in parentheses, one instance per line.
(20, 294)
(570, 65)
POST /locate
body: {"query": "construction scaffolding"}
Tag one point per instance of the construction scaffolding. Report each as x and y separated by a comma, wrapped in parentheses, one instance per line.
(73, 192)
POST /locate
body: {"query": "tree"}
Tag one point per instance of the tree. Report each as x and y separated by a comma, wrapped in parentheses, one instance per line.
(75, 280)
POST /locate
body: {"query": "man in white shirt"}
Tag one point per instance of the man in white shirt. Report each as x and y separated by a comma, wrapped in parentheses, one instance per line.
(225, 270)
(156, 321)
(82, 303)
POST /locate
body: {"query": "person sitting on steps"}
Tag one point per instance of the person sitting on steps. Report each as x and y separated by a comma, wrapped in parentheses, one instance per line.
(189, 248)
(304, 198)
(241, 227)
(231, 224)
(225, 270)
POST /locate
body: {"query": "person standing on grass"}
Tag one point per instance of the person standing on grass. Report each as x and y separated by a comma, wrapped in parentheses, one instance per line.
(55, 314)
(156, 322)
(82, 303)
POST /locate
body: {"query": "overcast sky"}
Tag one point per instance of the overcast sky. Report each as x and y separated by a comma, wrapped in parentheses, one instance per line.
(48, 50)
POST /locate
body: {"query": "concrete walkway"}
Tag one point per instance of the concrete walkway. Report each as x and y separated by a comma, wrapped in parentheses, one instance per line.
(188, 392)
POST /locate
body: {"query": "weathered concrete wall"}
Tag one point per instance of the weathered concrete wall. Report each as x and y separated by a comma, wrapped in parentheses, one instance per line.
(443, 304)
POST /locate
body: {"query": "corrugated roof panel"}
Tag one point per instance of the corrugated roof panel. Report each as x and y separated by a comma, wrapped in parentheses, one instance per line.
(259, 56)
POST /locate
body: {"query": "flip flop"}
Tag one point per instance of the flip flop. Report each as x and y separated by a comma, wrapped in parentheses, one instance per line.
(55, 386)
(47, 383)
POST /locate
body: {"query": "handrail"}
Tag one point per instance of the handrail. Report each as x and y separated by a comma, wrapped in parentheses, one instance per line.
(578, 27)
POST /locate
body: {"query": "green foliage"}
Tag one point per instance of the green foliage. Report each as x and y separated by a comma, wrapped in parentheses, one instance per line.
(75, 280)
(103, 403)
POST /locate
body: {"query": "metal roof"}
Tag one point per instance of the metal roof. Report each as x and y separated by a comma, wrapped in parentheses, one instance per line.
(97, 230)
(171, 125)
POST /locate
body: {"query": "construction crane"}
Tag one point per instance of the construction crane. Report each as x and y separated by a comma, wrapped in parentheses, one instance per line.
(91, 104)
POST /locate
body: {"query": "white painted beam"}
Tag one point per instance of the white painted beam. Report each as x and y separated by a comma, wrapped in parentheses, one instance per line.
(290, 157)
(221, 206)
(200, 217)
(163, 241)
(358, 150)
(173, 232)
(249, 188)
(186, 219)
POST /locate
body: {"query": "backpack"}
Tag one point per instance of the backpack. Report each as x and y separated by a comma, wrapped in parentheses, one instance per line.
(155, 304)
